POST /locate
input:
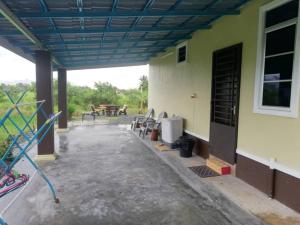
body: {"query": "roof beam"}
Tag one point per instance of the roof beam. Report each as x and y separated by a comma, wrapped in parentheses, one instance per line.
(176, 4)
(83, 54)
(107, 30)
(81, 19)
(45, 9)
(105, 61)
(108, 23)
(208, 7)
(144, 13)
(14, 20)
(105, 49)
(148, 4)
(77, 58)
(238, 5)
(8, 14)
(105, 65)
(130, 55)
(11, 46)
(80, 10)
(113, 10)
(173, 7)
(139, 18)
(108, 55)
(108, 62)
(108, 59)
(212, 4)
(91, 42)
(80, 54)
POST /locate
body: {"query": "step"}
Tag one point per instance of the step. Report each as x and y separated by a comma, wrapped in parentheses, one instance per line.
(218, 165)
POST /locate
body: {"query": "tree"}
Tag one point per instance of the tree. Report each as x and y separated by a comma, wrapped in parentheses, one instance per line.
(143, 82)
(106, 93)
(80, 98)
(143, 86)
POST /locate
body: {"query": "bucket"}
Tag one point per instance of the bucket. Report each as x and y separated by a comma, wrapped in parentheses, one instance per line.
(187, 145)
(154, 135)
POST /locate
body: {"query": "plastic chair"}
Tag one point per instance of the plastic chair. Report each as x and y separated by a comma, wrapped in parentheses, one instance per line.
(140, 120)
(152, 124)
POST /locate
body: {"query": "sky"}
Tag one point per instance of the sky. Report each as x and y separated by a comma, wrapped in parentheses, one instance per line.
(15, 68)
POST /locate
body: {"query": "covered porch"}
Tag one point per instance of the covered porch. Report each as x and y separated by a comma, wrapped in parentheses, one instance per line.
(104, 174)
(81, 34)
(113, 178)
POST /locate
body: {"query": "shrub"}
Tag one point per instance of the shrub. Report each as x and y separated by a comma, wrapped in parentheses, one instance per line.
(71, 110)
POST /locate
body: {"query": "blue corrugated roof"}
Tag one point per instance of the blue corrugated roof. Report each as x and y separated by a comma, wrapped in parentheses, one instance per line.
(92, 33)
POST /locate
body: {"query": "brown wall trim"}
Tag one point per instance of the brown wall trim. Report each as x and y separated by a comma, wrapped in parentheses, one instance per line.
(286, 190)
(254, 173)
(283, 187)
(200, 147)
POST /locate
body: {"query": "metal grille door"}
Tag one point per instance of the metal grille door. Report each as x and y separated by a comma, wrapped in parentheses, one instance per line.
(225, 101)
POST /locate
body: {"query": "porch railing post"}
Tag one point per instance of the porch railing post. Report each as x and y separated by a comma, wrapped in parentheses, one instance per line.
(44, 91)
(62, 98)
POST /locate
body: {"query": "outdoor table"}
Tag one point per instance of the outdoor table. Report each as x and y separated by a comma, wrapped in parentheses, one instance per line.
(109, 110)
(102, 109)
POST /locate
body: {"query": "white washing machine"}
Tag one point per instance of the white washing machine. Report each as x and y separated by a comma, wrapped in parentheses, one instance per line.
(172, 129)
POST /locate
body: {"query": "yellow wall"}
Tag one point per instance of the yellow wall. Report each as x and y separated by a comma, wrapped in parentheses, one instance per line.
(171, 86)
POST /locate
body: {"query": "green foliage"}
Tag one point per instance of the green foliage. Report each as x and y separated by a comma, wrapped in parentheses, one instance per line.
(79, 100)
(71, 110)
(80, 96)
(131, 98)
(143, 86)
(15, 91)
(2, 96)
(106, 93)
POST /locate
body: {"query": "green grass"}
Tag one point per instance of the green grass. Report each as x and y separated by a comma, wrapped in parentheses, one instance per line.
(4, 136)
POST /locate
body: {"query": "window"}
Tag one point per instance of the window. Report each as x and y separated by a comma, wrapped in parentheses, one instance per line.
(182, 53)
(276, 90)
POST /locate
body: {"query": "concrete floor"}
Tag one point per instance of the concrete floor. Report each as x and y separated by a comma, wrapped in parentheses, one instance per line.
(244, 195)
(105, 175)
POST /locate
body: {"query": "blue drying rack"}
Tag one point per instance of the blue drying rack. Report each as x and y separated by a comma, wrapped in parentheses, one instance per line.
(26, 138)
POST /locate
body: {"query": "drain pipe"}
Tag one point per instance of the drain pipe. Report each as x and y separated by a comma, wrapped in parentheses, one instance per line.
(272, 178)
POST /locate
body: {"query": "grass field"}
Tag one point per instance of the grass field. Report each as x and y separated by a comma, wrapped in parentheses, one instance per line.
(12, 130)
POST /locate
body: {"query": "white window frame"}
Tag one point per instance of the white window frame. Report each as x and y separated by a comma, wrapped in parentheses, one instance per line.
(185, 43)
(292, 111)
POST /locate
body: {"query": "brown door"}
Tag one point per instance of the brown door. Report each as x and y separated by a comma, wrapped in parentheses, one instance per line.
(225, 102)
